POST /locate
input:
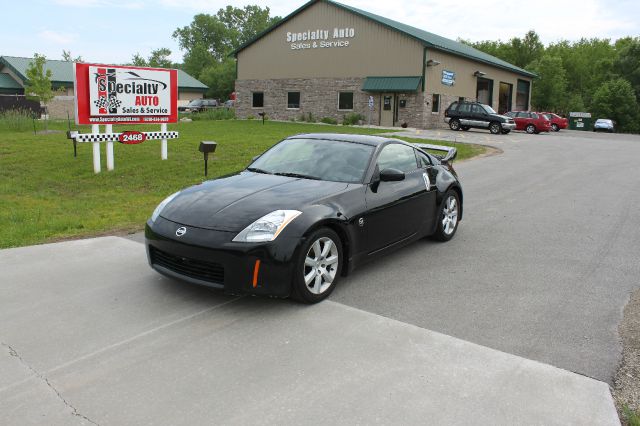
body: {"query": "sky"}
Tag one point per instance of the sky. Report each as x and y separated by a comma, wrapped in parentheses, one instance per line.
(112, 31)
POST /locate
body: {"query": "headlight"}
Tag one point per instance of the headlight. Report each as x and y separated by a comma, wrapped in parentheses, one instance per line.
(268, 227)
(162, 205)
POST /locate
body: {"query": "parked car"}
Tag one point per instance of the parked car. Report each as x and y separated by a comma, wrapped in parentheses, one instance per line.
(198, 105)
(604, 124)
(230, 103)
(465, 115)
(530, 122)
(305, 213)
(557, 122)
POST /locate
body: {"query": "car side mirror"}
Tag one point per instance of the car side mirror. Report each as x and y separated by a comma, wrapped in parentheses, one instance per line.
(391, 175)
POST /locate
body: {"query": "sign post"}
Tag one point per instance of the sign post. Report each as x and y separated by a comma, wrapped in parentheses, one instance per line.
(113, 94)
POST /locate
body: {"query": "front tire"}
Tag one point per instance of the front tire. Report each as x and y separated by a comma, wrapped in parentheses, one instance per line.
(454, 124)
(531, 129)
(448, 216)
(318, 267)
(495, 128)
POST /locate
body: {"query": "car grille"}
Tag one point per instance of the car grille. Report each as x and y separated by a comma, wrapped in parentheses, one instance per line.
(193, 268)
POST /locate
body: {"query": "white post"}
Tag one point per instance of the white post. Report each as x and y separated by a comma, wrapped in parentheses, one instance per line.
(95, 129)
(109, 129)
(163, 154)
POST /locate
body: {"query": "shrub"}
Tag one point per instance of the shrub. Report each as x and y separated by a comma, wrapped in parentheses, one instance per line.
(329, 120)
(16, 120)
(215, 114)
(310, 118)
(351, 119)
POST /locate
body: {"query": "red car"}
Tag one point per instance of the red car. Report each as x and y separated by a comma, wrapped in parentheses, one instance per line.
(530, 122)
(557, 122)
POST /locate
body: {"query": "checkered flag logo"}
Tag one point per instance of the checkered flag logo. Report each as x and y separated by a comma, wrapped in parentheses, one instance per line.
(104, 102)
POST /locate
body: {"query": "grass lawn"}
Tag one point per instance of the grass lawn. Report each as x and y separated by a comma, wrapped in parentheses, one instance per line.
(46, 194)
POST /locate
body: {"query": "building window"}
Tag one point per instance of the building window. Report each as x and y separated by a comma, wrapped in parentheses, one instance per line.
(461, 99)
(258, 100)
(435, 103)
(345, 101)
(293, 100)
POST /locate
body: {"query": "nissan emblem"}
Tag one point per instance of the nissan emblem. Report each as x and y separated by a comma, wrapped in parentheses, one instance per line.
(181, 231)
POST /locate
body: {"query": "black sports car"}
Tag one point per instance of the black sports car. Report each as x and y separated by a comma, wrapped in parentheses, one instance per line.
(304, 213)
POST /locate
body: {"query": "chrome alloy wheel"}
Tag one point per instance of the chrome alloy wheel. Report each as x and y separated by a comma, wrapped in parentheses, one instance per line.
(321, 265)
(450, 215)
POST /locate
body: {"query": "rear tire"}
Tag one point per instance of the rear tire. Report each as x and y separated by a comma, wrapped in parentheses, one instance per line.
(454, 124)
(448, 216)
(555, 127)
(531, 129)
(318, 267)
(495, 128)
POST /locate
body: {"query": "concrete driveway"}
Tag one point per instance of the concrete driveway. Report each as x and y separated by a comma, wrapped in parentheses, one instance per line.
(90, 335)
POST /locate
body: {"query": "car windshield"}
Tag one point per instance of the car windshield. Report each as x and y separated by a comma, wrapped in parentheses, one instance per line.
(316, 159)
(488, 109)
(195, 102)
(603, 121)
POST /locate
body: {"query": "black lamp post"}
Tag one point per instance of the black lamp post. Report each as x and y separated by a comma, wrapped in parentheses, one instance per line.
(207, 147)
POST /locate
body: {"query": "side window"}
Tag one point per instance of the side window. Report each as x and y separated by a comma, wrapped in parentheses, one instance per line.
(477, 109)
(423, 159)
(397, 156)
(453, 106)
(464, 108)
(522, 115)
(534, 115)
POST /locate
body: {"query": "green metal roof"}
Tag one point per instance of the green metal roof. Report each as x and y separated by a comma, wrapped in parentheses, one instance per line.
(391, 84)
(7, 82)
(62, 72)
(430, 40)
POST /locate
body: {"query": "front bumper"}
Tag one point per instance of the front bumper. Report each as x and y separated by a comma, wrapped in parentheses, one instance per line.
(210, 258)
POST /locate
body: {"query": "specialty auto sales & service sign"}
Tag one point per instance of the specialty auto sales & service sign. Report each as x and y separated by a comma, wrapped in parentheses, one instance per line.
(111, 94)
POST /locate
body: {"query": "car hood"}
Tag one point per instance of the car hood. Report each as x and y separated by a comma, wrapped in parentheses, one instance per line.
(232, 203)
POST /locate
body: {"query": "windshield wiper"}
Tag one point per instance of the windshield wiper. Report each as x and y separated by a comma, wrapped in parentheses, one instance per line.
(297, 175)
(257, 170)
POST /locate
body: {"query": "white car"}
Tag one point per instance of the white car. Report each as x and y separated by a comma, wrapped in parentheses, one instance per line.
(604, 124)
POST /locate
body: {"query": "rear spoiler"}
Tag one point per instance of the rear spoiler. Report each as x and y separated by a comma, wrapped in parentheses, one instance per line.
(450, 155)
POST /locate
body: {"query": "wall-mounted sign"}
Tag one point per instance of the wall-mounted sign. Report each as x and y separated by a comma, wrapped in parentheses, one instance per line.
(448, 78)
(112, 94)
(320, 38)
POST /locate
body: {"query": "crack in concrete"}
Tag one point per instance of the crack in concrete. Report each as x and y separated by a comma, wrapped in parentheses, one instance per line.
(74, 410)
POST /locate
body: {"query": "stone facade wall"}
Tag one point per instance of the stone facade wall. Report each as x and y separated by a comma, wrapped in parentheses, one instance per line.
(59, 107)
(318, 96)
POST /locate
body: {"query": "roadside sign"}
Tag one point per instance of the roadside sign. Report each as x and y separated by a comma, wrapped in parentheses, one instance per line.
(371, 103)
(113, 94)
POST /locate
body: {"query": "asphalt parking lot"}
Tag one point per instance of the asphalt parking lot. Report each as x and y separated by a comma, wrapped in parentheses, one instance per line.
(545, 258)
(541, 268)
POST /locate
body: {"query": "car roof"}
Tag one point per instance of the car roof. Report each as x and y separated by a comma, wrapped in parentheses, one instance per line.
(341, 137)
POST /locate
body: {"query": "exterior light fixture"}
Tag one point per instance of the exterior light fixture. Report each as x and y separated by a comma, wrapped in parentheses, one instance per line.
(479, 74)
(432, 63)
(207, 147)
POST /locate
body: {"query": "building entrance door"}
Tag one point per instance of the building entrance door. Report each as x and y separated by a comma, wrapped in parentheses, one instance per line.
(387, 110)
(504, 97)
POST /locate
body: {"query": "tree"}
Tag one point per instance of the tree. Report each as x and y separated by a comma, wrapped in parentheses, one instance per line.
(627, 63)
(159, 58)
(212, 38)
(616, 100)
(549, 90)
(38, 83)
(66, 56)
(220, 77)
